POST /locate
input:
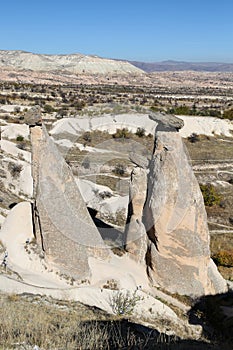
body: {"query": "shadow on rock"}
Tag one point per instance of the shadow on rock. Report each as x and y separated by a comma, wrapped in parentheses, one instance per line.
(111, 236)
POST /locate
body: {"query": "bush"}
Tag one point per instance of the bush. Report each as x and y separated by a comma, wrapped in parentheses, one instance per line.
(124, 303)
(119, 169)
(63, 112)
(193, 138)
(105, 194)
(210, 195)
(17, 109)
(224, 258)
(87, 137)
(48, 109)
(19, 138)
(140, 132)
(121, 134)
(15, 169)
(78, 105)
(228, 114)
(181, 110)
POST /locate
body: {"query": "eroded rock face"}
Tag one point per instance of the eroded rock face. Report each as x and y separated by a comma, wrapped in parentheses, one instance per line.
(166, 122)
(167, 222)
(33, 116)
(64, 227)
(136, 237)
(178, 254)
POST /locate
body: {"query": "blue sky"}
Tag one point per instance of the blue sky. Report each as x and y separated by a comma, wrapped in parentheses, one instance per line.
(146, 30)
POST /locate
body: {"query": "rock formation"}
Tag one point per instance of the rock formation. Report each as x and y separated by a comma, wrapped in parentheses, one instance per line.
(166, 122)
(63, 226)
(177, 252)
(166, 229)
(136, 238)
(33, 116)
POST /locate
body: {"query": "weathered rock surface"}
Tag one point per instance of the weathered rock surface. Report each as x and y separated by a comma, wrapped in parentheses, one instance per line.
(33, 116)
(64, 227)
(178, 255)
(139, 160)
(166, 122)
(136, 237)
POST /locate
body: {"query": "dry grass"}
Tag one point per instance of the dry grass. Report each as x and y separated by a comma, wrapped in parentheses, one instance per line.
(48, 326)
(210, 148)
(28, 320)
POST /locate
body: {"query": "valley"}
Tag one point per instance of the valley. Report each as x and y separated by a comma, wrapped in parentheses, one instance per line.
(97, 135)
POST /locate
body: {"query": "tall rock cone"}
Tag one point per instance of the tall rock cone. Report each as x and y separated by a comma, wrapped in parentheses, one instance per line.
(178, 254)
(63, 226)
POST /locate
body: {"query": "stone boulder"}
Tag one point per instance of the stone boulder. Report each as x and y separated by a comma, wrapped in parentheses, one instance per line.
(166, 122)
(64, 228)
(33, 116)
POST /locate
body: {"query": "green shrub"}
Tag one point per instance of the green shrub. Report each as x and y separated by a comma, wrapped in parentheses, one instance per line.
(228, 114)
(140, 132)
(19, 138)
(122, 134)
(78, 105)
(210, 195)
(124, 303)
(49, 109)
(181, 110)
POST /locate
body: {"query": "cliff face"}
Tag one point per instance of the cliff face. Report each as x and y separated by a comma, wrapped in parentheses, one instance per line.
(177, 251)
(64, 228)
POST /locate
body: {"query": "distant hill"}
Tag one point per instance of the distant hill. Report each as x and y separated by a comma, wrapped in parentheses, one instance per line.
(72, 63)
(183, 66)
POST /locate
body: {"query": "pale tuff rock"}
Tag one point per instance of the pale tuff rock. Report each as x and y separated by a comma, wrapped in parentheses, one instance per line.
(16, 230)
(167, 223)
(178, 254)
(135, 233)
(73, 63)
(139, 160)
(166, 122)
(11, 131)
(64, 227)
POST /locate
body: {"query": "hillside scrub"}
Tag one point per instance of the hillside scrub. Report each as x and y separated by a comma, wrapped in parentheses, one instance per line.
(210, 195)
(228, 114)
(224, 258)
